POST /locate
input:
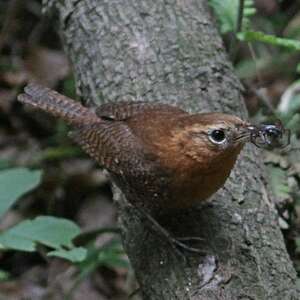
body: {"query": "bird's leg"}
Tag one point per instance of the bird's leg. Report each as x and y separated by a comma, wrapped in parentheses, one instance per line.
(178, 243)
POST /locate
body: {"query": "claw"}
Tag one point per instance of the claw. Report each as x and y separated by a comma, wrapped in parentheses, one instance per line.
(191, 238)
(177, 243)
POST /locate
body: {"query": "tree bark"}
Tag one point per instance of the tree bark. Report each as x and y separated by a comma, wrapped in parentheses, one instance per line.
(170, 51)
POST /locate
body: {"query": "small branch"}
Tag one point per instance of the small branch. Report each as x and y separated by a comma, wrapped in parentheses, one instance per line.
(239, 24)
(240, 16)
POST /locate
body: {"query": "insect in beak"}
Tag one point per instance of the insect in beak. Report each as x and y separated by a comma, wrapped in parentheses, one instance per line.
(269, 136)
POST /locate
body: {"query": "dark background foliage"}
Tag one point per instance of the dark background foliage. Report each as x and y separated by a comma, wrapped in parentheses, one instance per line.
(70, 186)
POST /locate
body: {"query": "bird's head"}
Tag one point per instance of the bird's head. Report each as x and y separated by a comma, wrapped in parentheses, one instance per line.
(211, 138)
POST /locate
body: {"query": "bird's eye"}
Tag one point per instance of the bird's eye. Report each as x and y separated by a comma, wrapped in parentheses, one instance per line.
(217, 136)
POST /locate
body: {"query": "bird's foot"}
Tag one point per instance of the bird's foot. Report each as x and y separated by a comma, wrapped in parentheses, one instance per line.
(179, 244)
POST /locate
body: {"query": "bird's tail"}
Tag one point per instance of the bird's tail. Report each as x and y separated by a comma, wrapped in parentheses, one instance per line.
(57, 105)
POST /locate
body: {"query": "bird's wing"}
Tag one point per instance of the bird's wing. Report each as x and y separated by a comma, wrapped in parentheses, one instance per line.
(113, 146)
(117, 149)
(123, 110)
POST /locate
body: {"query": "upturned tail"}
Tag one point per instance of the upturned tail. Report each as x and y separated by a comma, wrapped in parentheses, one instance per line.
(57, 105)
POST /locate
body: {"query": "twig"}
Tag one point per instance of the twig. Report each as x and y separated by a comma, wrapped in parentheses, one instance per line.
(240, 16)
(239, 24)
(254, 57)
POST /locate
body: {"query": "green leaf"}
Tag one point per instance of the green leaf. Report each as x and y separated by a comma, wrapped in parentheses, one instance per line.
(14, 241)
(278, 181)
(258, 36)
(226, 12)
(4, 275)
(74, 255)
(49, 231)
(5, 164)
(112, 256)
(14, 183)
(52, 232)
(69, 87)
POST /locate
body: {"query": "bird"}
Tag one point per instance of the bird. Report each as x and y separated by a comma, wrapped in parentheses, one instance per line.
(160, 156)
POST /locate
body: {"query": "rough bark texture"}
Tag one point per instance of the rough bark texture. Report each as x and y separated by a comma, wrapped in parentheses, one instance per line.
(170, 50)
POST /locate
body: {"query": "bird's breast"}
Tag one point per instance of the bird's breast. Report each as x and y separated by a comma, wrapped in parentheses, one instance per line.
(192, 184)
(190, 191)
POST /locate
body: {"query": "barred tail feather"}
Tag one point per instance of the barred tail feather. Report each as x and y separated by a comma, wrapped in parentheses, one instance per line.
(58, 105)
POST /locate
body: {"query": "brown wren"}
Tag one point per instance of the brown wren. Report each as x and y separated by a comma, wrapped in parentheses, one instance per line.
(160, 156)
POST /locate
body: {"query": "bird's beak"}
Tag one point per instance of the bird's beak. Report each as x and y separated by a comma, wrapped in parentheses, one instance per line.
(244, 133)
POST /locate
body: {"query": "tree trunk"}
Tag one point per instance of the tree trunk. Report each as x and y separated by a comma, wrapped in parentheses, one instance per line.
(170, 51)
